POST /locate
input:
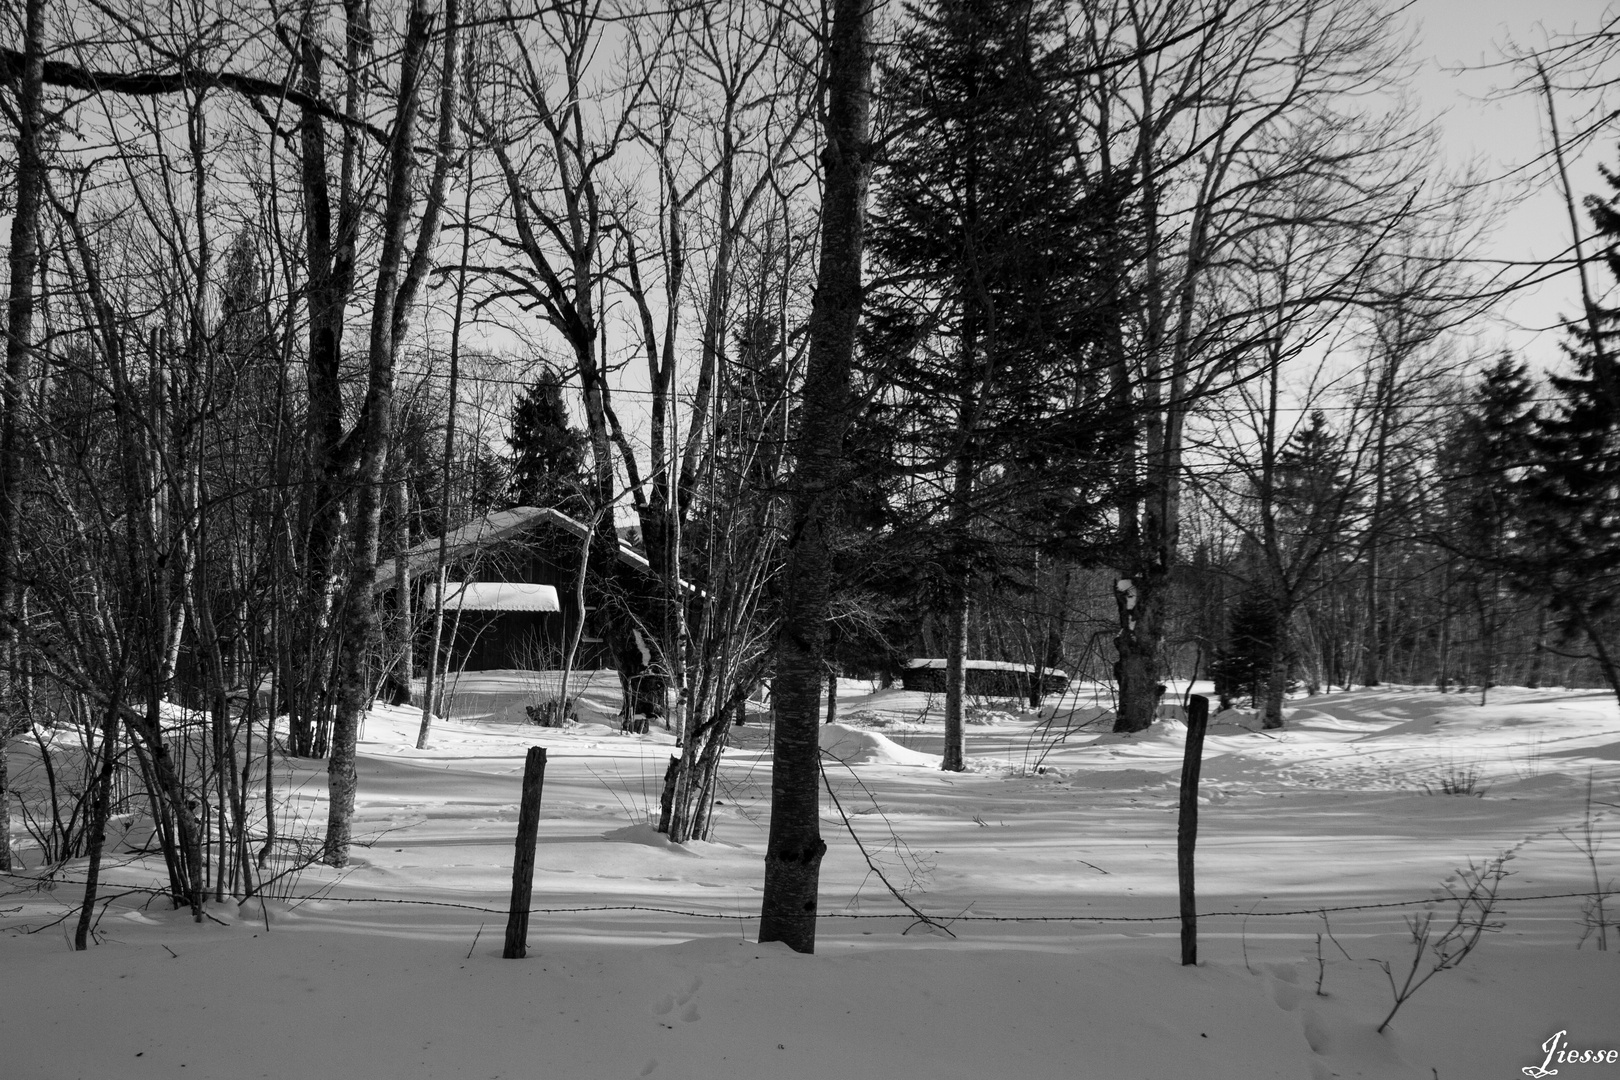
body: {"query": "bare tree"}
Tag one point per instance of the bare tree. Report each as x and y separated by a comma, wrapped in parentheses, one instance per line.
(1229, 106)
(401, 269)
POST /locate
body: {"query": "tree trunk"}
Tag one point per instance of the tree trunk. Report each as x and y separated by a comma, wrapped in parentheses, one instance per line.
(359, 611)
(955, 754)
(405, 657)
(1051, 653)
(23, 266)
(439, 575)
(1606, 660)
(1538, 655)
(832, 693)
(1276, 688)
(99, 812)
(794, 848)
(1136, 670)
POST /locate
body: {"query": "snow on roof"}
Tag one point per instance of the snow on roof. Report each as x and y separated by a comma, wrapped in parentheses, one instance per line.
(500, 596)
(988, 665)
(495, 528)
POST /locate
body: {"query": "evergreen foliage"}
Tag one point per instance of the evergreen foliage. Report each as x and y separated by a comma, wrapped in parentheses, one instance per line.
(548, 459)
(1241, 665)
(1572, 497)
(987, 322)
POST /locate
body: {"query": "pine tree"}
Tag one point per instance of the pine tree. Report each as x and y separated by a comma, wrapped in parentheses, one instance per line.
(988, 324)
(548, 460)
(1483, 463)
(1571, 511)
(1243, 663)
(1571, 524)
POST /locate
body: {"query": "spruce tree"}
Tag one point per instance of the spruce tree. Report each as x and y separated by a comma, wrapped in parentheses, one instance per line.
(1571, 527)
(548, 460)
(986, 322)
(1243, 662)
(1483, 463)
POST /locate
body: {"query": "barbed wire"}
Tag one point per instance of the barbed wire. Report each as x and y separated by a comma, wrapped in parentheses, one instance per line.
(734, 917)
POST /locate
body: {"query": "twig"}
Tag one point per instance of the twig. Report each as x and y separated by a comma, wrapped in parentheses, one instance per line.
(839, 806)
(1471, 921)
(1243, 937)
(1593, 913)
(1327, 928)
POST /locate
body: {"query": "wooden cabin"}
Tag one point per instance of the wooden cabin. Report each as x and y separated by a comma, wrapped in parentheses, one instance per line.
(510, 594)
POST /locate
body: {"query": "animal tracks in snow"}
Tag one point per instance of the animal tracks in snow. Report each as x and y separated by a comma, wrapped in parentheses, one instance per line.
(685, 1002)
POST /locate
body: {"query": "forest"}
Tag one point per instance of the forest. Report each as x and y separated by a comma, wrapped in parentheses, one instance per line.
(1133, 340)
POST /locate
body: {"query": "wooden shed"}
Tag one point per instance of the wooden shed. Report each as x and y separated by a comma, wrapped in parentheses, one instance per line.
(988, 678)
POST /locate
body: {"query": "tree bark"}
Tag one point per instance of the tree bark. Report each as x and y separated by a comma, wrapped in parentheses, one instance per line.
(405, 656)
(99, 812)
(24, 266)
(955, 755)
(794, 848)
(1276, 686)
(359, 610)
(1140, 601)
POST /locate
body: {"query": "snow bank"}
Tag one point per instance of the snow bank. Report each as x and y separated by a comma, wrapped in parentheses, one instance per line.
(651, 837)
(854, 746)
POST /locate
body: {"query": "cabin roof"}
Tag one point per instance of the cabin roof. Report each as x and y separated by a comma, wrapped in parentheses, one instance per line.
(500, 596)
(984, 665)
(496, 527)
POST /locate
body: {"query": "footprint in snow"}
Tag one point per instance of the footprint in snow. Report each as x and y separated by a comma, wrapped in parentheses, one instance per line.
(1285, 989)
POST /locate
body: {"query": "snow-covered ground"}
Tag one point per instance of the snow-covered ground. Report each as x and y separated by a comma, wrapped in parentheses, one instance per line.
(1051, 862)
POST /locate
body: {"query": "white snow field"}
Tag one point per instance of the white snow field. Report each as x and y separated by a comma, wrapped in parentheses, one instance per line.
(1053, 864)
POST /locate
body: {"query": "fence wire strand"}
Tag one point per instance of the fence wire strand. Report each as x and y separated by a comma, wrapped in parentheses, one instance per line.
(734, 917)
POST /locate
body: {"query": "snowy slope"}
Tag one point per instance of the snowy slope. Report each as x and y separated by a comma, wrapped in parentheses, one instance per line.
(1052, 862)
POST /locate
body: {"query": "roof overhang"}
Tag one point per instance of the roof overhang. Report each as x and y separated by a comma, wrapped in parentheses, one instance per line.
(984, 665)
(498, 596)
(499, 527)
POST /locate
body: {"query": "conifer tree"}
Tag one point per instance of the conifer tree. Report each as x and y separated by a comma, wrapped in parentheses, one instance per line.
(1571, 497)
(987, 319)
(1483, 463)
(1571, 500)
(548, 463)
(1243, 663)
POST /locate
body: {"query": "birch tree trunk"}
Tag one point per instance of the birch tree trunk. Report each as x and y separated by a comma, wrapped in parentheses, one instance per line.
(396, 288)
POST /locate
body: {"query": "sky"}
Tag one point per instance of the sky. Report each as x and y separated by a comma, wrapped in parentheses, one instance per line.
(1459, 43)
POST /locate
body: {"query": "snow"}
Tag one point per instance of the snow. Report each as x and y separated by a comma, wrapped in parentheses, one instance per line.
(641, 955)
(936, 664)
(854, 746)
(499, 596)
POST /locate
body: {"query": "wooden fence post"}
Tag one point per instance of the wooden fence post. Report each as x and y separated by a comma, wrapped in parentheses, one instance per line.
(1187, 827)
(517, 916)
